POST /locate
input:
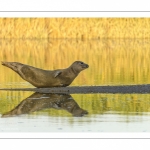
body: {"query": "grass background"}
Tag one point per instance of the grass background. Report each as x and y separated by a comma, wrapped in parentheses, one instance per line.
(78, 28)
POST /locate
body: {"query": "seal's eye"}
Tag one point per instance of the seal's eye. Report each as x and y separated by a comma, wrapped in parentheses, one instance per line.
(81, 63)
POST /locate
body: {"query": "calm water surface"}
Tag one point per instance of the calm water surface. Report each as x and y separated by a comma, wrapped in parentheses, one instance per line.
(112, 62)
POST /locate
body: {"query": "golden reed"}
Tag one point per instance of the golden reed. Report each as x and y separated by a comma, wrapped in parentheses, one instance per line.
(78, 28)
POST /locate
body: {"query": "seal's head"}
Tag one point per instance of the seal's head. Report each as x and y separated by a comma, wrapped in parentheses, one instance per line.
(78, 66)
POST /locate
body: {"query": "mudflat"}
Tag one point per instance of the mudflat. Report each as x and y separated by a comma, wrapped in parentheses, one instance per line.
(145, 88)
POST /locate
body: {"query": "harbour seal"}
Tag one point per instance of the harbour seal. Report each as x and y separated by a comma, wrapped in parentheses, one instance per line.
(47, 78)
(40, 101)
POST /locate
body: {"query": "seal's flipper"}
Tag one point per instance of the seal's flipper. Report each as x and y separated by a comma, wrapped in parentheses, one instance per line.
(57, 73)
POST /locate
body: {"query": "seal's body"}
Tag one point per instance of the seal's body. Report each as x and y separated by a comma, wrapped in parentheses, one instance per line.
(47, 78)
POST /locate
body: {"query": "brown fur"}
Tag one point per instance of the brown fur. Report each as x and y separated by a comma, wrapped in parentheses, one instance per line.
(47, 78)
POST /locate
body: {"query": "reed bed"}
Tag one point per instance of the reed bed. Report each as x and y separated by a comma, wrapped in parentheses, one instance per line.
(78, 28)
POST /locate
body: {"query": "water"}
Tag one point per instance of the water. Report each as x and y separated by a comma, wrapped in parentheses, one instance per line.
(112, 62)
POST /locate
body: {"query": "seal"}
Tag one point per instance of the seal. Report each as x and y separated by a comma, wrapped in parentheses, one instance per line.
(47, 78)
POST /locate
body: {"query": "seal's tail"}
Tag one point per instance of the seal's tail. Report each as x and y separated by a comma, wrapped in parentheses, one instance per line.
(7, 64)
(11, 65)
(3, 63)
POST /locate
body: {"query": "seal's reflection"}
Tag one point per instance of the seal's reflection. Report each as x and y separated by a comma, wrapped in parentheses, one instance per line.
(39, 101)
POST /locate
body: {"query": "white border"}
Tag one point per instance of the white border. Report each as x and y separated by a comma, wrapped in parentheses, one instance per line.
(74, 5)
(74, 14)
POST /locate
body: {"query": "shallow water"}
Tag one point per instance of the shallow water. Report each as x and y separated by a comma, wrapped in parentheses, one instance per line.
(112, 62)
